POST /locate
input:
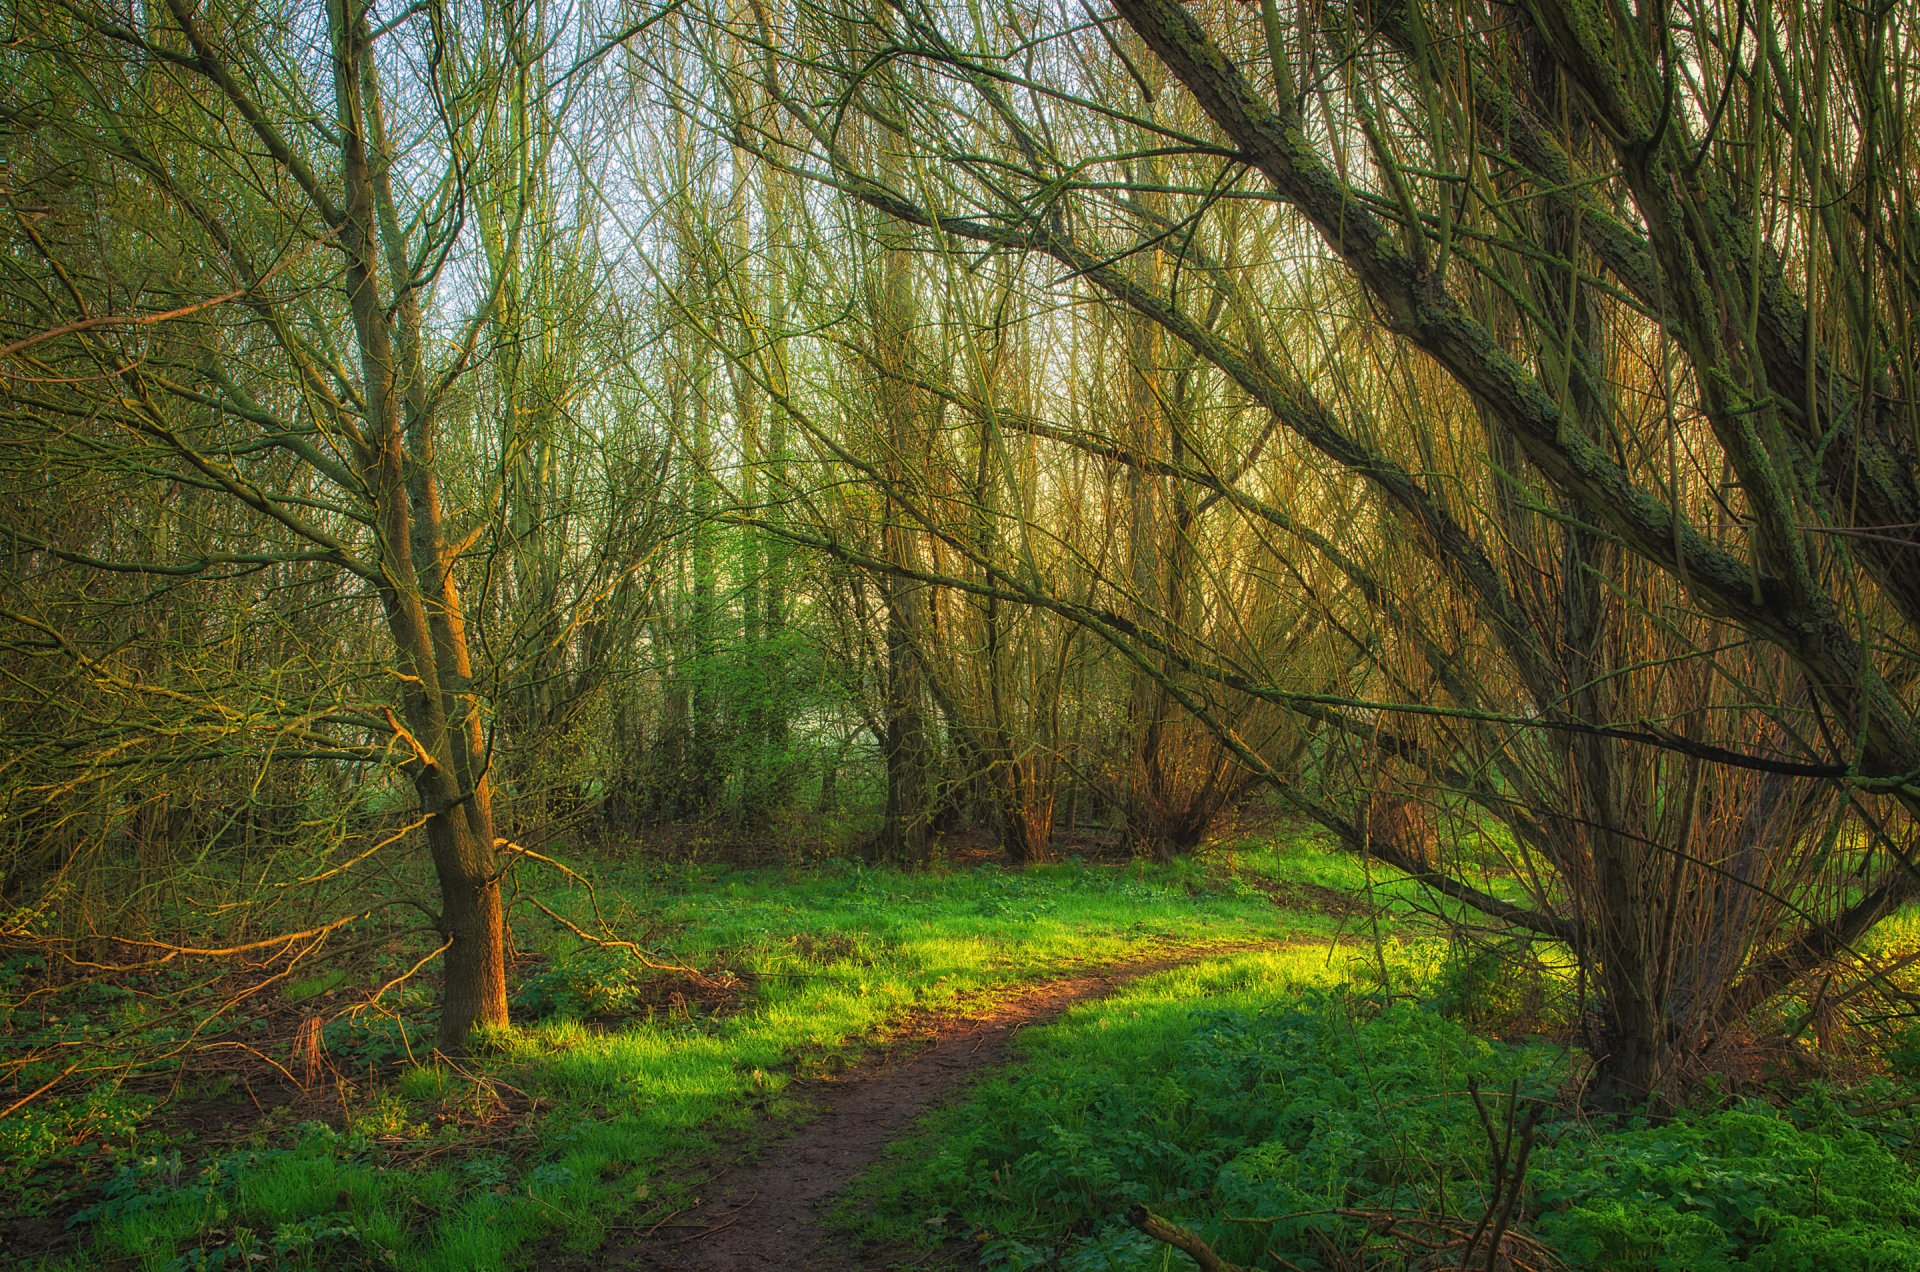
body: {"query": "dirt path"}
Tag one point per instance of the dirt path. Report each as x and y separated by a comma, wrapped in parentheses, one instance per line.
(764, 1213)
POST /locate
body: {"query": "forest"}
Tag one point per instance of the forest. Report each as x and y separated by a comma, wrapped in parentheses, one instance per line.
(1098, 635)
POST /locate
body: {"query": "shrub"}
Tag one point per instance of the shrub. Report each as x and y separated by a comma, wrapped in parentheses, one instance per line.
(581, 985)
(1498, 987)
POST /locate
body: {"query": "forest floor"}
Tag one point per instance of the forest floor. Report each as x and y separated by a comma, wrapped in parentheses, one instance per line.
(770, 1210)
(831, 1066)
(292, 1123)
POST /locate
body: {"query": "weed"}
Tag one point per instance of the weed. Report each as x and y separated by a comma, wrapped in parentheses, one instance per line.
(383, 1115)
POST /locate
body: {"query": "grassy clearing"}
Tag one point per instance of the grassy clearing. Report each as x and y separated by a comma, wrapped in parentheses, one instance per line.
(570, 1132)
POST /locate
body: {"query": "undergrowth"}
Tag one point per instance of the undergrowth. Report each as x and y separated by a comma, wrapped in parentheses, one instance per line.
(1295, 1120)
(1299, 1107)
(575, 1127)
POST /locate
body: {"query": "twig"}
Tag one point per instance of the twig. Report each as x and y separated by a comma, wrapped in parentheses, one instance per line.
(1509, 1171)
(351, 862)
(175, 951)
(615, 943)
(733, 1217)
(38, 1091)
(405, 976)
(260, 1055)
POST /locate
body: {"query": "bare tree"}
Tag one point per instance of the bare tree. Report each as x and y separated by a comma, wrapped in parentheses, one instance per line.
(313, 387)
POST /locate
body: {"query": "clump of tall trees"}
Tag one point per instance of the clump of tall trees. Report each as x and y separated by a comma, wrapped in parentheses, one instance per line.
(1485, 431)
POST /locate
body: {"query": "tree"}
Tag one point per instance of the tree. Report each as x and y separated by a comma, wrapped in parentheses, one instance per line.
(311, 388)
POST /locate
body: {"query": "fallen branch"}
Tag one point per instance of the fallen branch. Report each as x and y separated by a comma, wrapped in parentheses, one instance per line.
(1181, 1239)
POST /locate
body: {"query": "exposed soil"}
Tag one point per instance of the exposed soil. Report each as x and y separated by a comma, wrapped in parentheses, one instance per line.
(765, 1213)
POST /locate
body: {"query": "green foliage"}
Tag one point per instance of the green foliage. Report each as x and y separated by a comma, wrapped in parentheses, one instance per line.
(825, 957)
(321, 1203)
(1276, 1086)
(1500, 987)
(52, 1124)
(1902, 1052)
(1281, 1115)
(383, 1115)
(1277, 1102)
(313, 986)
(1742, 1187)
(580, 985)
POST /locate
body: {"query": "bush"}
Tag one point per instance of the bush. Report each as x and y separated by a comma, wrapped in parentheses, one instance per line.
(1498, 987)
(581, 985)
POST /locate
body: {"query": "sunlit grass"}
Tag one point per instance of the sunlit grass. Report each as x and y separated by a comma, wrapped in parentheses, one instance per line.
(1023, 1155)
(571, 1127)
(583, 1122)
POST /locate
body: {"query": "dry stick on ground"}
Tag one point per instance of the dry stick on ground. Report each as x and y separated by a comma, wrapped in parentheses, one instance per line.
(318, 939)
(1186, 1242)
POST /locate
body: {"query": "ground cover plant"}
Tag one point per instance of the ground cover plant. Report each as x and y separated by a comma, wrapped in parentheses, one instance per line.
(1345, 1089)
(1294, 1110)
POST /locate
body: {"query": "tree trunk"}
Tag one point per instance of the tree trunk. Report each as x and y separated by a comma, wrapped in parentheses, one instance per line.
(475, 993)
(1027, 815)
(906, 835)
(416, 582)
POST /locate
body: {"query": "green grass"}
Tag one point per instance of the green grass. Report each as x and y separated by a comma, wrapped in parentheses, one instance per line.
(1269, 1080)
(578, 1124)
(1240, 1052)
